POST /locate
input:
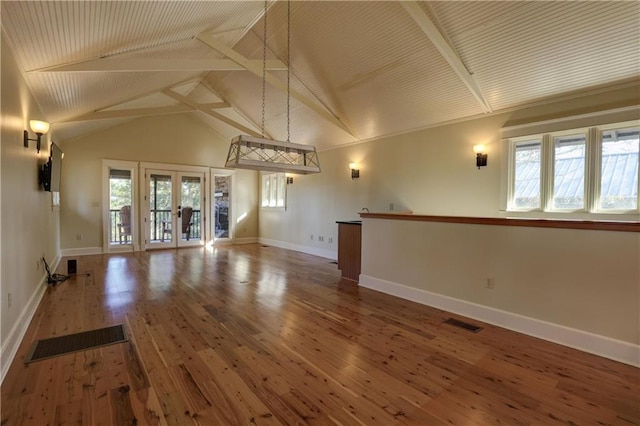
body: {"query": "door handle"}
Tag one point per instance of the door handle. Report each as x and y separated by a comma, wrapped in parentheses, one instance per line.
(179, 211)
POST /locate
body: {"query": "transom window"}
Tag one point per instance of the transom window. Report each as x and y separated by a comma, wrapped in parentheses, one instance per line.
(594, 170)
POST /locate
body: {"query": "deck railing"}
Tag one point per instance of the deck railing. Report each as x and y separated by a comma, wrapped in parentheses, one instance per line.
(157, 217)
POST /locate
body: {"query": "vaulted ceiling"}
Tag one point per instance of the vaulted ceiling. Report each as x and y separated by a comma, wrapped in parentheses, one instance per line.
(359, 70)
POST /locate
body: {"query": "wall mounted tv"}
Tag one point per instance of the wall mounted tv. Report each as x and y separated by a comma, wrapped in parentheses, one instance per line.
(50, 173)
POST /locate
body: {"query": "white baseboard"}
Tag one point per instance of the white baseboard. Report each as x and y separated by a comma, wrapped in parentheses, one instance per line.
(13, 341)
(245, 240)
(84, 251)
(329, 254)
(607, 347)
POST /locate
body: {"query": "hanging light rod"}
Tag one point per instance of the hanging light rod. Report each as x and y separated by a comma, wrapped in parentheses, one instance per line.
(259, 153)
(248, 152)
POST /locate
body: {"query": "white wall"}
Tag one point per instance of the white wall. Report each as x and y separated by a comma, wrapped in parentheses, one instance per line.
(29, 227)
(173, 139)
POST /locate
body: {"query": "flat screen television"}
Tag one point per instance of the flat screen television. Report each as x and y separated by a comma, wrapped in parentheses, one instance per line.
(50, 173)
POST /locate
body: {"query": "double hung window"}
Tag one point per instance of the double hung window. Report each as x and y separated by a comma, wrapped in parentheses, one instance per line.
(274, 190)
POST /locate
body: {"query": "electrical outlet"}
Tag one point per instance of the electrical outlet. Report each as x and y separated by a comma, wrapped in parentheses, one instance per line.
(321, 238)
(9, 299)
(491, 283)
(330, 240)
(391, 207)
(311, 237)
(79, 237)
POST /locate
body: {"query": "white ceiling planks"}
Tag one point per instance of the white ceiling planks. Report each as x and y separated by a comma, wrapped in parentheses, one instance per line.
(360, 70)
(44, 34)
(374, 64)
(532, 50)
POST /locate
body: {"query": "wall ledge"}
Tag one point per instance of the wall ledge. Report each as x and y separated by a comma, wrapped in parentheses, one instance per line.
(616, 350)
(594, 225)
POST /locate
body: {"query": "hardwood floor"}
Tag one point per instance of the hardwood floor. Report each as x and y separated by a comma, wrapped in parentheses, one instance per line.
(248, 334)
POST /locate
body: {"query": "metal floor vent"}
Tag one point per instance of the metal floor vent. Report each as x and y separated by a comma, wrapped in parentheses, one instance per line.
(470, 327)
(62, 345)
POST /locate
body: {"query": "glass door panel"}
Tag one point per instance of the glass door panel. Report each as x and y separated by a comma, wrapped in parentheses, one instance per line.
(221, 206)
(161, 219)
(190, 210)
(120, 198)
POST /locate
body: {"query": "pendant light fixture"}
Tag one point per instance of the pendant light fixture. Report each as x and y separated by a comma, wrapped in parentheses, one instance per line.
(248, 152)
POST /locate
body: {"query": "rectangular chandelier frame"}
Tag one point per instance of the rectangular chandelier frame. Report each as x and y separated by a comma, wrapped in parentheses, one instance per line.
(248, 152)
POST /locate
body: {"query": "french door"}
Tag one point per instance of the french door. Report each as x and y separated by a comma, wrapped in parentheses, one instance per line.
(120, 217)
(174, 212)
(221, 209)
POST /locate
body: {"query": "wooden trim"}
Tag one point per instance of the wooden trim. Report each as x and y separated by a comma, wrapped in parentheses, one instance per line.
(497, 221)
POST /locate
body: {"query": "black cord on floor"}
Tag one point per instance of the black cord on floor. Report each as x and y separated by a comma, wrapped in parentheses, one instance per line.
(53, 279)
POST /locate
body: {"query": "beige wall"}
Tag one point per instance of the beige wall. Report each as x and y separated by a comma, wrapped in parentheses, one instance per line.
(431, 171)
(29, 227)
(173, 139)
(585, 280)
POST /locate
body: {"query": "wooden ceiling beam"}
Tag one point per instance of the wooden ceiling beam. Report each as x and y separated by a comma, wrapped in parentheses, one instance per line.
(215, 105)
(238, 111)
(203, 107)
(159, 65)
(450, 55)
(186, 105)
(126, 113)
(256, 68)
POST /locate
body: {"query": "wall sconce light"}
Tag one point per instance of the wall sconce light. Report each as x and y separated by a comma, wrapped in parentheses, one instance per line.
(289, 180)
(481, 157)
(39, 128)
(355, 172)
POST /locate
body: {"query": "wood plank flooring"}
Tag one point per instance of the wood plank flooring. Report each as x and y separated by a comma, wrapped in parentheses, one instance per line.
(243, 335)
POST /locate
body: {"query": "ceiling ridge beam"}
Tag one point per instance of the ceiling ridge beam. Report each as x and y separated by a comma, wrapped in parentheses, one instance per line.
(450, 55)
(155, 65)
(196, 106)
(271, 79)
